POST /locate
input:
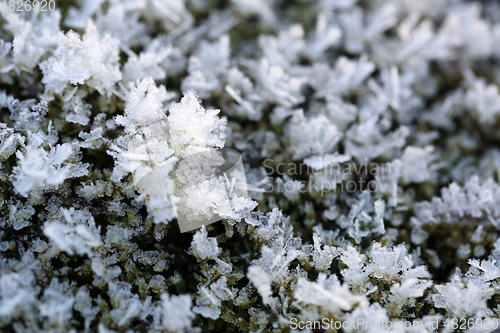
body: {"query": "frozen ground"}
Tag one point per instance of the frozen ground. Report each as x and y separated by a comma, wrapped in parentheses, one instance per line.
(368, 132)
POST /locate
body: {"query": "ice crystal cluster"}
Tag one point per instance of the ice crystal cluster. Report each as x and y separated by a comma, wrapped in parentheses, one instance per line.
(368, 131)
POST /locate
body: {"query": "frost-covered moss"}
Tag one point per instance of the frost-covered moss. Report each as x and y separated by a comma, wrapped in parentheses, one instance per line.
(368, 135)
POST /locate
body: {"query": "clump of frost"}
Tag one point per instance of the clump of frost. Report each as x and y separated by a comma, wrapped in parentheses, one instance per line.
(204, 247)
(175, 313)
(39, 170)
(92, 60)
(77, 234)
(262, 282)
(192, 126)
(462, 299)
(209, 302)
(476, 202)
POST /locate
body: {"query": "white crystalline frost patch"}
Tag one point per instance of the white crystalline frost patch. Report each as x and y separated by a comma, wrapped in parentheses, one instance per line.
(92, 60)
(39, 169)
(77, 233)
